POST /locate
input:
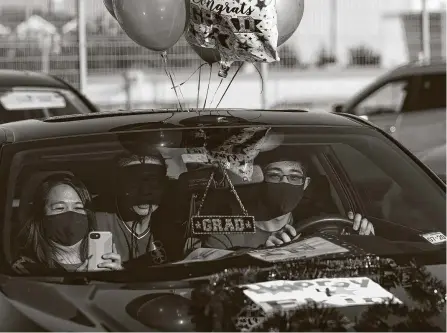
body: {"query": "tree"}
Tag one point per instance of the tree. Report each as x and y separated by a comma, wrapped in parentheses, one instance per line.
(288, 56)
(363, 56)
(325, 58)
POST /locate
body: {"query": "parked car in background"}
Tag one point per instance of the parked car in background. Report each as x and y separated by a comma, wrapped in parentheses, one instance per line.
(409, 103)
(32, 95)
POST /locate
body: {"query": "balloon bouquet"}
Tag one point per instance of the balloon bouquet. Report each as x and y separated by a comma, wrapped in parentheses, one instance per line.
(219, 31)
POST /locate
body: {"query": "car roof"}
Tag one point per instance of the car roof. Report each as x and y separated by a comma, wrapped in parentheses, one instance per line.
(419, 67)
(15, 78)
(106, 122)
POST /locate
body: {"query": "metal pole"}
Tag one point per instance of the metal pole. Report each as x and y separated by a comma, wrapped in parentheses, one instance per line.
(333, 26)
(425, 31)
(443, 33)
(82, 43)
(264, 74)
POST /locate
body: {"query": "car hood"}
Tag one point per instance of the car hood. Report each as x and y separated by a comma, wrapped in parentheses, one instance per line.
(167, 306)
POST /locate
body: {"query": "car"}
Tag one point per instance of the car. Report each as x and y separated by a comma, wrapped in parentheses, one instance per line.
(328, 277)
(408, 103)
(30, 95)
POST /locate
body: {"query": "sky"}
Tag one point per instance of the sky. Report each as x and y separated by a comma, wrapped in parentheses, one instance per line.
(359, 22)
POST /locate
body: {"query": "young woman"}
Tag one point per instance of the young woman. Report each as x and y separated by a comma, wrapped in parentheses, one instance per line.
(56, 234)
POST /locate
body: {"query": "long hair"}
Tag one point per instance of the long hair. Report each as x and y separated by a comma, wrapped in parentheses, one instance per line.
(34, 243)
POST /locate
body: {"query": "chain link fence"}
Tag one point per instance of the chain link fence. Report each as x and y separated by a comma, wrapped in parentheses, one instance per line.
(41, 35)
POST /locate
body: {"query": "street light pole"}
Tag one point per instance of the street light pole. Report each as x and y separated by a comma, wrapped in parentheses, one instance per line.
(82, 45)
(333, 26)
(425, 31)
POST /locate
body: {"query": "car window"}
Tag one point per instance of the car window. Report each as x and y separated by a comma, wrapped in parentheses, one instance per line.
(431, 93)
(385, 196)
(33, 103)
(388, 99)
(390, 185)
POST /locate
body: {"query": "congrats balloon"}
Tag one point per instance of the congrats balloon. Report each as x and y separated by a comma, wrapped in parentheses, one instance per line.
(109, 6)
(154, 24)
(209, 55)
(237, 30)
(290, 13)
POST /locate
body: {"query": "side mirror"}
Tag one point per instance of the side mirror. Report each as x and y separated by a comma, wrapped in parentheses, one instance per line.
(338, 108)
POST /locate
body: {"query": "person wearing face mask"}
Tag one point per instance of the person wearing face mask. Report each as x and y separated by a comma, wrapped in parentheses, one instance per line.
(273, 201)
(140, 184)
(56, 236)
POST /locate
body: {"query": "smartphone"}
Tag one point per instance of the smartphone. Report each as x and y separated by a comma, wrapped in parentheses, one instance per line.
(99, 243)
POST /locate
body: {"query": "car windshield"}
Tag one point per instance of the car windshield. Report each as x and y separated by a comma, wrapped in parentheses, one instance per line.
(20, 103)
(169, 195)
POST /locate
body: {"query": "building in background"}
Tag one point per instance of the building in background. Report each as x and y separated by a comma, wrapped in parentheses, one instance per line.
(409, 25)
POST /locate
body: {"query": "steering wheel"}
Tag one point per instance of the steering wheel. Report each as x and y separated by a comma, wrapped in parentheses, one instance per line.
(333, 224)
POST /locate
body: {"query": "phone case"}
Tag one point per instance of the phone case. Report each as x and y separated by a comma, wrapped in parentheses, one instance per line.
(98, 247)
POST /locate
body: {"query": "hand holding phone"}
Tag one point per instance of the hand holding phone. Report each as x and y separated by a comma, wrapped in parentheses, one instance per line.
(102, 252)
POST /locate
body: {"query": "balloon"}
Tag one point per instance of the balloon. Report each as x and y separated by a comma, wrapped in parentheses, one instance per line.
(154, 24)
(208, 54)
(290, 13)
(237, 30)
(109, 6)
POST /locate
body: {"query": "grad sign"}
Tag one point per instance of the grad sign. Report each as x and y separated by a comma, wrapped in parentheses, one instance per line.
(209, 225)
(285, 295)
(31, 100)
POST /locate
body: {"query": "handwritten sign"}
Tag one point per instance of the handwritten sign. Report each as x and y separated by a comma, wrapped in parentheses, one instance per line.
(284, 295)
(209, 225)
(32, 100)
(435, 237)
(312, 247)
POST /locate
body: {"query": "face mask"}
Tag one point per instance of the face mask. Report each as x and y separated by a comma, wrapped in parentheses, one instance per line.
(67, 228)
(278, 199)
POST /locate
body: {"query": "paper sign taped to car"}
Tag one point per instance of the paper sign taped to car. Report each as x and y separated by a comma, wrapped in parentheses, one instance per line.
(284, 295)
(311, 247)
(435, 237)
(32, 100)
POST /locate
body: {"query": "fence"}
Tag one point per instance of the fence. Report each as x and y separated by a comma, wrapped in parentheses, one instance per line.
(41, 35)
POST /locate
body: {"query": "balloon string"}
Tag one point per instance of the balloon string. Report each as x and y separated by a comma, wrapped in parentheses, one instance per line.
(198, 87)
(220, 83)
(262, 79)
(179, 88)
(181, 84)
(164, 56)
(208, 88)
(229, 84)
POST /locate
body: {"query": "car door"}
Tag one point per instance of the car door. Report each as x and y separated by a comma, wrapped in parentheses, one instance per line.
(421, 126)
(383, 105)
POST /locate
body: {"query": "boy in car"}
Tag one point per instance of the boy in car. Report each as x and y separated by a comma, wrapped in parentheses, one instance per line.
(140, 184)
(273, 201)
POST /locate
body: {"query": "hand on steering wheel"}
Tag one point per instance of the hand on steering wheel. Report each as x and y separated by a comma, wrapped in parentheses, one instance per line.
(331, 223)
(285, 235)
(362, 225)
